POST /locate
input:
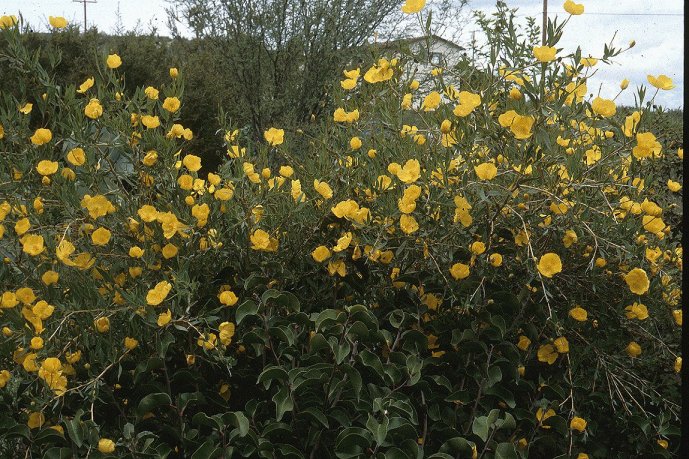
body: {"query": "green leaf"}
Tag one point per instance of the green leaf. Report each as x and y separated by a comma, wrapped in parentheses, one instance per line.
(247, 308)
(341, 352)
(58, 453)
(283, 402)
(271, 373)
(316, 415)
(457, 446)
(378, 429)
(239, 421)
(372, 361)
(505, 451)
(351, 442)
(502, 393)
(325, 317)
(207, 450)
(75, 429)
(152, 401)
(354, 379)
(494, 376)
(480, 427)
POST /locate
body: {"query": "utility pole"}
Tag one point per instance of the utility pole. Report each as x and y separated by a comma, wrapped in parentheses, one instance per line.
(545, 21)
(84, 2)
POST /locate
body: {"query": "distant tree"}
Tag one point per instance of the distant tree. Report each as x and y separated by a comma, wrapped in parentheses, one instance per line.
(282, 55)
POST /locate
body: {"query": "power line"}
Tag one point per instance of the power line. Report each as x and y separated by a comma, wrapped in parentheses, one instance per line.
(612, 14)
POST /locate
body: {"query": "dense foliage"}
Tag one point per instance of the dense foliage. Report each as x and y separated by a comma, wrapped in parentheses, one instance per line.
(485, 266)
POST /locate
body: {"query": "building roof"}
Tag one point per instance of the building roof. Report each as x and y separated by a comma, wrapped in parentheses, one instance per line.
(412, 40)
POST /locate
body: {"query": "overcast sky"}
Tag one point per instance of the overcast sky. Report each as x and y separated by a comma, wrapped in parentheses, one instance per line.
(656, 25)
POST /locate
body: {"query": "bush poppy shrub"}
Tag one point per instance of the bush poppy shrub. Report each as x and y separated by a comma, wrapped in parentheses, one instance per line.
(478, 265)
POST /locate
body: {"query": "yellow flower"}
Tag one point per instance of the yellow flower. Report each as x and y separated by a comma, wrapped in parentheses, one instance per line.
(151, 122)
(521, 126)
(32, 244)
(347, 84)
(228, 298)
(76, 156)
(588, 61)
(50, 277)
(130, 343)
(274, 136)
(57, 21)
(113, 61)
(296, 192)
(431, 101)
(46, 167)
(93, 109)
(226, 332)
(459, 271)
(102, 324)
(408, 224)
(410, 172)
(192, 163)
(320, 254)
(636, 311)
(477, 248)
(524, 343)
(26, 109)
(633, 349)
(36, 420)
(569, 238)
(549, 264)
(169, 251)
(151, 92)
(544, 53)
(572, 8)
(661, 82)
(413, 6)
(101, 236)
(343, 242)
(382, 71)
(337, 267)
(562, 345)
(164, 318)
(603, 107)
(577, 423)
(678, 365)
(41, 136)
(106, 446)
(495, 259)
(4, 378)
(148, 213)
(341, 116)
(323, 189)
(174, 73)
(355, 143)
(22, 226)
(171, 104)
(86, 85)
(677, 316)
(8, 21)
(36, 343)
(543, 415)
(260, 240)
(624, 84)
(486, 171)
(578, 313)
(637, 280)
(673, 186)
(547, 354)
(157, 294)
